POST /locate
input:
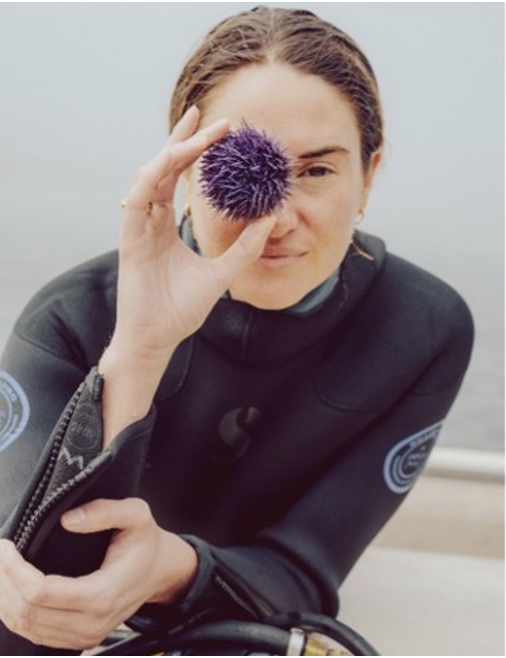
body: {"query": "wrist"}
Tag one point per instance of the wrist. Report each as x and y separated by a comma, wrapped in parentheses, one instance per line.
(131, 378)
(179, 566)
(138, 355)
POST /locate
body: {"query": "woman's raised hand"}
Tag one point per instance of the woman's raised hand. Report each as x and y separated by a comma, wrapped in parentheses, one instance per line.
(165, 290)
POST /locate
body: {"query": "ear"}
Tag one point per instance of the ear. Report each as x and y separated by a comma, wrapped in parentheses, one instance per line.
(369, 175)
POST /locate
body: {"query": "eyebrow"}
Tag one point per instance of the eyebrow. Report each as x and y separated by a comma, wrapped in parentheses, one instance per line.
(324, 151)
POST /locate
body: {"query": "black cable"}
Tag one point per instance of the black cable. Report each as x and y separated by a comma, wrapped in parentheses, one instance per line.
(272, 636)
(238, 634)
(333, 628)
(118, 635)
(221, 634)
(137, 645)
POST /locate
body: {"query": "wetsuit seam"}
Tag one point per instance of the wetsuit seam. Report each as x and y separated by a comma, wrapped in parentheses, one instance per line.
(252, 367)
(44, 348)
(73, 286)
(245, 335)
(443, 348)
(439, 391)
(243, 589)
(56, 301)
(184, 374)
(320, 395)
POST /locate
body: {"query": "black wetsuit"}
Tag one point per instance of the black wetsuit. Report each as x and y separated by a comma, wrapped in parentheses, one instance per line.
(278, 445)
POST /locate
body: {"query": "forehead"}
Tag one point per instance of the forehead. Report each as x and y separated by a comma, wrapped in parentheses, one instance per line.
(303, 111)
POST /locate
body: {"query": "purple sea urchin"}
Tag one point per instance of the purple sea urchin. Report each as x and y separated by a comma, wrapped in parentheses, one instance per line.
(245, 174)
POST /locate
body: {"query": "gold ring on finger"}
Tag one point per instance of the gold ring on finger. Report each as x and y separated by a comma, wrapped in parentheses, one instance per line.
(149, 205)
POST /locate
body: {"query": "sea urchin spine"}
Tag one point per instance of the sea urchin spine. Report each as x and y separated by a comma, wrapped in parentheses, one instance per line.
(246, 174)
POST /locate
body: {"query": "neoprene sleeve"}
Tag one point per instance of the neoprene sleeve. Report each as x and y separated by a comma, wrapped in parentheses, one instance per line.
(337, 411)
(73, 470)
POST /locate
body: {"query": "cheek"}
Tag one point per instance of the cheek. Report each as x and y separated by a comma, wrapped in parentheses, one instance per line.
(332, 220)
(331, 214)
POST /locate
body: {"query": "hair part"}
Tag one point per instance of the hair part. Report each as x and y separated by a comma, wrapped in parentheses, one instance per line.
(290, 36)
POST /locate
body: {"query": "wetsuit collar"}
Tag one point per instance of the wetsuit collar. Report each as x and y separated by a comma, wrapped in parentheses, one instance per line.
(308, 304)
(257, 337)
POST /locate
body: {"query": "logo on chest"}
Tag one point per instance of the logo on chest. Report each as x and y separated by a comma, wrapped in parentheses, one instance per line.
(235, 433)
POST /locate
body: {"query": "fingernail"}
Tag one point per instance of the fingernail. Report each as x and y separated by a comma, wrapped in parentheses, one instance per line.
(74, 517)
(192, 108)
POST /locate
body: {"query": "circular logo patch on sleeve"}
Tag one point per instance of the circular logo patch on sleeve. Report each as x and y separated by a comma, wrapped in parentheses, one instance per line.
(14, 409)
(405, 461)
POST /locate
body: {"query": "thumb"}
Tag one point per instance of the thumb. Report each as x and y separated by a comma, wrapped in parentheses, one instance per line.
(245, 250)
(105, 514)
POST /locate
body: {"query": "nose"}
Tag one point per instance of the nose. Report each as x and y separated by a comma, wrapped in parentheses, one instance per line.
(286, 220)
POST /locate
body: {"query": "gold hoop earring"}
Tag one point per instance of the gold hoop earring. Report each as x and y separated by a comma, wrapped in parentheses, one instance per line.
(360, 216)
(187, 217)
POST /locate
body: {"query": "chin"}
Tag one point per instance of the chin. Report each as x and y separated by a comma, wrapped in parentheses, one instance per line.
(269, 302)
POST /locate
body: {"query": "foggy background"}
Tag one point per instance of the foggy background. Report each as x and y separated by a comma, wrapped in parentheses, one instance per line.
(84, 94)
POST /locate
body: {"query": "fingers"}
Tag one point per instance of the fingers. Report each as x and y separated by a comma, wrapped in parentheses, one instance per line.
(30, 602)
(152, 192)
(31, 586)
(18, 571)
(73, 612)
(246, 250)
(78, 612)
(127, 514)
(186, 126)
(182, 148)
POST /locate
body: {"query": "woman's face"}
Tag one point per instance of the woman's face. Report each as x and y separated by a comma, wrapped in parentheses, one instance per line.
(317, 127)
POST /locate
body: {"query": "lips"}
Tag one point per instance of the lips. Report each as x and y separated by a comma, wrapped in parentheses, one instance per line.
(275, 258)
(270, 252)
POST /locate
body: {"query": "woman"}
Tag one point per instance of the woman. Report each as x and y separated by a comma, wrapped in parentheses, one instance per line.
(254, 400)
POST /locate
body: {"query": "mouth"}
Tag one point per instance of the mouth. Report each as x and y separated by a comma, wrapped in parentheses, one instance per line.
(278, 259)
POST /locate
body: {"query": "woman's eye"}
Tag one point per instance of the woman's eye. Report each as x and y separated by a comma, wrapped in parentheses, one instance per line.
(317, 171)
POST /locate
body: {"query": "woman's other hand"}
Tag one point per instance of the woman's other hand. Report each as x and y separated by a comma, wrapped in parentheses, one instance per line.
(143, 564)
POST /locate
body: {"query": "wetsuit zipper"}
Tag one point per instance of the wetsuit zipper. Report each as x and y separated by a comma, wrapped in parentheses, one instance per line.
(41, 513)
(37, 508)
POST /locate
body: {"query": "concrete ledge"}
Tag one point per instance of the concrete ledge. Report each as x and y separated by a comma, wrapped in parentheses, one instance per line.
(457, 506)
(413, 603)
(432, 583)
(481, 466)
